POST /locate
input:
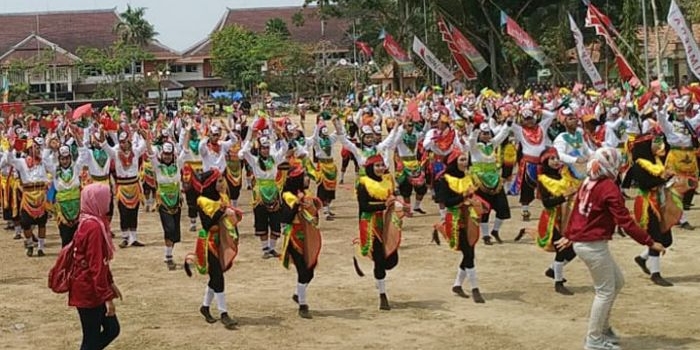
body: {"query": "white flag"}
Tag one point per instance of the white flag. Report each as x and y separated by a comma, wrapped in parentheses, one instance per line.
(584, 57)
(431, 61)
(677, 22)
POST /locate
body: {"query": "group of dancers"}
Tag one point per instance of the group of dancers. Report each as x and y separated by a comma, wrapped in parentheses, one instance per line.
(468, 151)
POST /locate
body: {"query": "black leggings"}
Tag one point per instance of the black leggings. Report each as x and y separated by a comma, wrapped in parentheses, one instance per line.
(66, 232)
(527, 191)
(382, 263)
(304, 274)
(128, 217)
(467, 251)
(98, 329)
(566, 254)
(654, 229)
(346, 162)
(191, 199)
(216, 275)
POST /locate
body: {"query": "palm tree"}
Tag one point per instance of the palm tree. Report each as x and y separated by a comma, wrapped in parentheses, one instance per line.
(277, 26)
(133, 29)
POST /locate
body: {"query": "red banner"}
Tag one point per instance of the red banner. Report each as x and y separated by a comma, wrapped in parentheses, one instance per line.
(468, 49)
(394, 50)
(597, 20)
(457, 54)
(364, 48)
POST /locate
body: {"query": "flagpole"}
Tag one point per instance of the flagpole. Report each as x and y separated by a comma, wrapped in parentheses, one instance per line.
(354, 57)
(425, 27)
(646, 41)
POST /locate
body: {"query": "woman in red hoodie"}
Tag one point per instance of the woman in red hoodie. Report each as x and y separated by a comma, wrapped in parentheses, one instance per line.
(599, 207)
(92, 289)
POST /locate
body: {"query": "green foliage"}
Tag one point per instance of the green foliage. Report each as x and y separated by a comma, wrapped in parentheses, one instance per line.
(112, 61)
(134, 29)
(277, 26)
(19, 92)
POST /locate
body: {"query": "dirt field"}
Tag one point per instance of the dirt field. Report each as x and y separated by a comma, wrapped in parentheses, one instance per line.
(160, 307)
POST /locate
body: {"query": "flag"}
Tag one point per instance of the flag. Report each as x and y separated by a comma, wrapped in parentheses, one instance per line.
(364, 48)
(431, 61)
(85, 109)
(677, 22)
(523, 39)
(592, 20)
(5, 89)
(457, 55)
(394, 50)
(584, 57)
(467, 49)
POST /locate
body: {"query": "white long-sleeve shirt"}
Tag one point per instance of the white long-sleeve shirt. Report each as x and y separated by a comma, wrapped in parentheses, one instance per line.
(62, 184)
(277, 153)
(211, 159)
(429, 142)
(677, 134)
(478, 149)
(400, 146)
(568, 144)
(124, 170)
(532, 149)
(27, 175)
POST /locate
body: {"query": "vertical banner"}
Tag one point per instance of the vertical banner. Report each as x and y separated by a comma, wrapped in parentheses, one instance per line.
(394, 50)
(365, 48)
(5, 89)
(523, 39)
(431, 61)
(584, 57)
(459, 58)
(593, 20)
(677, 22)
(467, 49)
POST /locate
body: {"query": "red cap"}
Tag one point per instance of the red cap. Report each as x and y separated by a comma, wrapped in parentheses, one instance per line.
(374, 159)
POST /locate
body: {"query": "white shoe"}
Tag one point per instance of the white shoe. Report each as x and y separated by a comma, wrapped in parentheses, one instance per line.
(601, 345)
(610, 336)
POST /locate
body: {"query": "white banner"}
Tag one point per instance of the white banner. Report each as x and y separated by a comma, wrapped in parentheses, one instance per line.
(677, 22)
(584, 57)
(431, 61)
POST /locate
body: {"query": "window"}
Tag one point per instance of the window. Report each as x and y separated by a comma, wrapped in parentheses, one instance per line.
(90, 71)
(191, 68)
(37, 88)
(137, 68)
(176, 69)
(62, 87)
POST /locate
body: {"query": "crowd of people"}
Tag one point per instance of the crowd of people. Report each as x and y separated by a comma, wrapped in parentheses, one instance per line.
(579, 152)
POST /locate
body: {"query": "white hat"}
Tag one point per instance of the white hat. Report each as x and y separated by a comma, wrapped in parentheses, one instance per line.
(680, 103)
(291, 127)
(484, 127)
(614, 110)
(527, 113)
(148, 117)
(39, 141)
(567, 111)
(377, 129)
(168, 147)
(265, 132)
(215, 130)
(264, 141)
(324, 130)
(64, 151)
(435, 116)
(366, 129)
(123, 136)
(164, 132)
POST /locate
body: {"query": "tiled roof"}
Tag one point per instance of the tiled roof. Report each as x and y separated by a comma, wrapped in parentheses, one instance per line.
(67, 29)
(668, 37)
(35, 49)
(254, 19)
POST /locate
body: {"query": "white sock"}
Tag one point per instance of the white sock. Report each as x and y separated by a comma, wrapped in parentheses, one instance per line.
(273, 243)
(168, 253)
(497, 224)
(221, 302)
(443, 212)
(326, 209)
(193, 221)
(18, 230)
(301, 292)
(234, 203)
(416, 204)
(461, 275)
(645, 254)
(654, 264)
(42, 241)
(125, 235)
(265, 245)
(558, 268)
(484, 227)
(132, 237)
(525, 207)
(471, 275)
(683, 219)
(208, 296)
(381, 286)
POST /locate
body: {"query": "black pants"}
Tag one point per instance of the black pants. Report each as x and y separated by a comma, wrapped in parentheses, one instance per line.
(654, 230)
(216, 275)
(66, 232)
(304, 274)
(191, 199)
(566, 254)
(527, 191)
(346, 162)
(147, 190)
(467, 251)
(498, 203)
(381, 263)
(688, 198)
(406, 188)
(170, 223)
(128, 218)
(98, 329)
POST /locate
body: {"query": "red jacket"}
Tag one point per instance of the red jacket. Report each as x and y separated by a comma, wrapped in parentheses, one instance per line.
(606, 208)
(92, 279)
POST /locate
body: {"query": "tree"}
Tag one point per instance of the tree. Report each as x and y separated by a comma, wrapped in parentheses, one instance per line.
(134, 29)
(277, 26)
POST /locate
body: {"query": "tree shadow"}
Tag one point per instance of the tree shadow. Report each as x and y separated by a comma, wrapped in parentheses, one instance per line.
(348, 314)
(658, 342)
(419, 304)
(19, 280)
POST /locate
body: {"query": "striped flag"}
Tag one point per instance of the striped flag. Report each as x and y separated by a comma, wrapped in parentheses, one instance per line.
(523, 39)
(593, 20)
(464, 66)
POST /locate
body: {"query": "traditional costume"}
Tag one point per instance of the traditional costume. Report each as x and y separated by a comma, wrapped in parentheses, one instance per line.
(326, 170)
(66, 180)
(189, 140)
(409, 170)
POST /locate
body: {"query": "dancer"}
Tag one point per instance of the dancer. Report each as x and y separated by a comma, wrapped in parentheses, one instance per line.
(217, 243)
(327, 170)
(266, 193)
(409, 173)
(484, 169)
(128, 190)
(167, 172)
(66, 179)
(376, 201)
(599, 206)
(456, 190)
(302, 238)
(189, 141)
(572, 149)
(557, 188)
(649, 175)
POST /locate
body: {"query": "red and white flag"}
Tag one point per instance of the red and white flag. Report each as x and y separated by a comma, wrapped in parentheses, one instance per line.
(677, 22)
(464, 66)
(595, 19)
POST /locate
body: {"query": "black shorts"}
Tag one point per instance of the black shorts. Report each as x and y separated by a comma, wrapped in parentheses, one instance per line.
(405, 189)
(265, 219)
(128, 218)
(26, 221)
(171, 224)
